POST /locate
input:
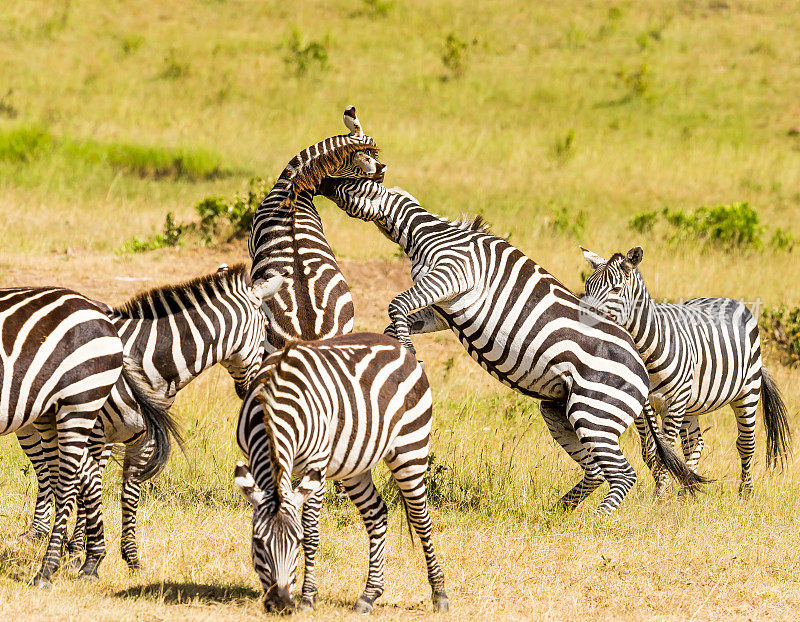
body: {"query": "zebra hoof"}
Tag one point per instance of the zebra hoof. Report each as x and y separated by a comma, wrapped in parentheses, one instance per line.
(90, 578)
(43, 584)
(440, 603)
(362, 606)
(32, 535)
(305, 604)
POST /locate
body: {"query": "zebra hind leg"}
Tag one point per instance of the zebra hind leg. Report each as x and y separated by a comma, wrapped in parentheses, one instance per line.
(41, 447)
(310, 521)
(409, 475)
(555, 417)
(363, 493)
(745, 409)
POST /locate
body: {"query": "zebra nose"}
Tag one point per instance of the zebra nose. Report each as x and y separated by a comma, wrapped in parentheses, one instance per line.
(278, 599)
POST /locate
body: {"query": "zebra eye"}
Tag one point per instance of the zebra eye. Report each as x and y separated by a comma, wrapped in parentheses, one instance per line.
(616, 289)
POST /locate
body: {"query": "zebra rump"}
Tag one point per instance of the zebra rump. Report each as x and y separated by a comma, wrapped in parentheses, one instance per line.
(779, 435)
(159, 424)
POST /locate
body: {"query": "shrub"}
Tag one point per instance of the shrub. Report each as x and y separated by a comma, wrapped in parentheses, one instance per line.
(300, 57)
(23, 144)
(564, 223)
(454, 55)
(780, 329)
(171, 235)
(730, 227)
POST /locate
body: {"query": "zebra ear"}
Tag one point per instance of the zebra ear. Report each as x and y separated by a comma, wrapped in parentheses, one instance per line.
(594, 259)
(635, 255)
(311, 483)
(267, 288)
(245, 482)
(351, 121)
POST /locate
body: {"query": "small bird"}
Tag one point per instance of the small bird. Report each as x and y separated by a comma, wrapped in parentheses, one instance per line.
(351, 121)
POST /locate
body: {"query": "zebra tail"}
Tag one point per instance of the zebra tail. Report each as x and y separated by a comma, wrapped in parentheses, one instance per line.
(666, 454)
(159, 424)
(779, 435)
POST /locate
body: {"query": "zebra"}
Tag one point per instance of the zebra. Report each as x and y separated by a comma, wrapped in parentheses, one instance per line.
(522, 326)
(332, 409)
(173, 333)
(287, 236)
(60, 358)
(700, 356)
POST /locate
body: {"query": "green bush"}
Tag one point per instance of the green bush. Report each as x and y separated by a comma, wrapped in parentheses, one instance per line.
(301, 57)
(780, 329)
(220, 221)
(565, 223)
(729, 227)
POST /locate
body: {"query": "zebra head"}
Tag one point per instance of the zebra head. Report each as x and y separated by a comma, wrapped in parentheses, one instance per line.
(360, 198)
(277, 535)
(347, 156)
(612, 288)
(244, 361)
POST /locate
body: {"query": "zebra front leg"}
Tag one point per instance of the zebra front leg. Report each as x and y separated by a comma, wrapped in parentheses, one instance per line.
(129, 500)
(692, 441)
(555, 417)
(432, 288)
(408, 472)
(310, 521)
(363, 493)
(43, 454)
(100, 452)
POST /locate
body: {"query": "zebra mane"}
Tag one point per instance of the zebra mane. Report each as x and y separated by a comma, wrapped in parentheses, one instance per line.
(141, 305)
(472, 223)
(306, 174)
(269, 375)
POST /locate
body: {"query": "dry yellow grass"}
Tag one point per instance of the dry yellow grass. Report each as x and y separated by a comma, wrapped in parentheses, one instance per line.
(709, 559)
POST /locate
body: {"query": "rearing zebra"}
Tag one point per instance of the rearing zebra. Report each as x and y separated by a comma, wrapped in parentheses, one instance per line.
(700, 355)
(522, 326)
(287, 237)
(173, 333)
(333, 409)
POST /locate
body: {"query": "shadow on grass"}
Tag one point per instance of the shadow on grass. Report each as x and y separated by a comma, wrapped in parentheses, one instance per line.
(182, 593)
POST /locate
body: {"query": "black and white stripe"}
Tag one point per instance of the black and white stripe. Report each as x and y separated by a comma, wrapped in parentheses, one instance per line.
(287, 237)
(332, 409)
(521, 325)
(700, 355)
(173, 334)
(60, 357)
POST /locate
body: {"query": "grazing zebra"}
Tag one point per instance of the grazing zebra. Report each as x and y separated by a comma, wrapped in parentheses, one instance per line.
(522, 326)
(333, 409)
(700, 356)
(287, 237)
(173, 333)
(60, 358)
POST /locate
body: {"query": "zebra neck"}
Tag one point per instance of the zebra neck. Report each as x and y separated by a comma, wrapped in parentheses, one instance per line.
(170, 355)
(294, 244)
(406, 223)
(644, 324)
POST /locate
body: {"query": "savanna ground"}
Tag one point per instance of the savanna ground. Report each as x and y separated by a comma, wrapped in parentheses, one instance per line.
(557, 121)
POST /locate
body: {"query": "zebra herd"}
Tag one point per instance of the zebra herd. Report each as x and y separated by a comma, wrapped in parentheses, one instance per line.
(322, 403)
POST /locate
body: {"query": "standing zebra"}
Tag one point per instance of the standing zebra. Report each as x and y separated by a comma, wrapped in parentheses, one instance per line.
(60, 358)
(700, 356)
(522, 326)
(173, 333)
(333, 409)
(287, 237)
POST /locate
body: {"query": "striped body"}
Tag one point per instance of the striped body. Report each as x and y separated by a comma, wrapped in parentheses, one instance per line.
(59, 358)
(174, 333)
(332, 409)
(700, 356)
(520, 324)
(287, 237)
